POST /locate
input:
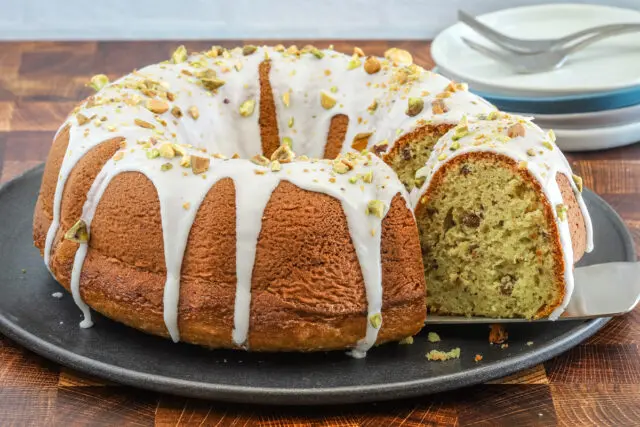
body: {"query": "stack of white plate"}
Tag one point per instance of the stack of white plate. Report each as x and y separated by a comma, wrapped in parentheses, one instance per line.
(592, 102)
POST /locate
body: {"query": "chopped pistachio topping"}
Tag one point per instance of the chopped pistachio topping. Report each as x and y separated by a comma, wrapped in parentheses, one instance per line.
(531, 152)
(438, 106)
(354, 179)
(290, 122)
(275, 166)
(373, 107)
(376, 320)
(247, 107)
(157, 106)
(399, 56)
(516, 130)
(153, 153)
(327, 101)
(78, 233)
(551, 135)
(372, 65)
(143, 124)
(357, 51)
(334, 89)
(361, 140)
(185, 161)
(82, 119)
(179, 55)
(578, 181)
(561, 210)
(248, 50)
(455, 145)
(286, 98)
(199, 164)
(287, 141)
(414, 107)
(167, 151)
(194, 112)
(283, 154)
(547, 145)
(166, 167)
(376, 207)
(176, 111)
(493, 115)
(317, 53)
(98, 81)
(340, 167)
(354, 63)
(368, 177)
(212, 83)
(260, 160)
(442, 156)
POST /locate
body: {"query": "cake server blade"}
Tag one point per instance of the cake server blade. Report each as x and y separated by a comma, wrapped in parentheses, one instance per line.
(601, 290)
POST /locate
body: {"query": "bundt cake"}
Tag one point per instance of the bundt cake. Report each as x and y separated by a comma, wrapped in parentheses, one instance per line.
(257, 198)
(501, 221)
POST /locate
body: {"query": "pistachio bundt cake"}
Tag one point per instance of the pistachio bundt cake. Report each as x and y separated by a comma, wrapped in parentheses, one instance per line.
(172, 200)
(257, 198)
(501, 221)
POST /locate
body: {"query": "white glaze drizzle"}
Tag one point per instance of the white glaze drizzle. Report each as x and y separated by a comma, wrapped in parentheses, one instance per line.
(537, 152)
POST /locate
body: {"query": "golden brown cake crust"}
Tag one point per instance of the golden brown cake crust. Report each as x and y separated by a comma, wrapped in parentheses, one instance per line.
(578, 231)
(307, 288)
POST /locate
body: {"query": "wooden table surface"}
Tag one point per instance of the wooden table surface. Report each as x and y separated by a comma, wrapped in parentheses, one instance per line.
(596, 383)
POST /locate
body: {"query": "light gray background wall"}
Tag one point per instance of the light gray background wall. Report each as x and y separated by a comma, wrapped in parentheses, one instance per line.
(184, 19)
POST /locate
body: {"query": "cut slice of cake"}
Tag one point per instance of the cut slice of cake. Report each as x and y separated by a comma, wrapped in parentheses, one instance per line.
(501, 221)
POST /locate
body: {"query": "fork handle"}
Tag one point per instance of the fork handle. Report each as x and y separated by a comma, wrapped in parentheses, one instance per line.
(631, 27)
(600, 36)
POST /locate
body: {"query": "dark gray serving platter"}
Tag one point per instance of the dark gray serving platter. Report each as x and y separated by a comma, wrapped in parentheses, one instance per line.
(49, 326)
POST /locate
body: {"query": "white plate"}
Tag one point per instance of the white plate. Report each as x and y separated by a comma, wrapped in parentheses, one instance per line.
(596, 138)
(604, 66)
(597, 119)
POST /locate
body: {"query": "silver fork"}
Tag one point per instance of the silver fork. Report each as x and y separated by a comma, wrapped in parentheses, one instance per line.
(539, 45)
(529, 63)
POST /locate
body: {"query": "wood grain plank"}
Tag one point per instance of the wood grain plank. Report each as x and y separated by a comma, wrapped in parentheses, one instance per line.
(11, 170)
(28, 145)
(21, 368)
(620, 330)
(597, 404)
(71, 378)
(107, 406)
(534, 375)
(22, 406)
(6, 112)
(44, 64)
(40, 115)
(596, 364)
(52, 88)
(610, 176)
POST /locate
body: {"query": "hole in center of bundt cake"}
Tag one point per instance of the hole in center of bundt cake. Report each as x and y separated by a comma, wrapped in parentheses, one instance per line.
(486, 248)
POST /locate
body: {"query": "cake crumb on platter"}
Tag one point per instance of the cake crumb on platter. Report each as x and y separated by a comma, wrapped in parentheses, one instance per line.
(437, 355)
(478, 358)
(57, 295)
(433, 337)
(498, 334)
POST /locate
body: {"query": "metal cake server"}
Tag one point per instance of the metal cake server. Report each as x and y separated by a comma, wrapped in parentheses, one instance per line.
(601, 290)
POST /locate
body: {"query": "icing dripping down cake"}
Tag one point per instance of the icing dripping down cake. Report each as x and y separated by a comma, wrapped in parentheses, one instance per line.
(257, 198)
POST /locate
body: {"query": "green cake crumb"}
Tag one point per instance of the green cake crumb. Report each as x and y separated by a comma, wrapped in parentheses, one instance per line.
(529, 343)
(407, 340)
(444, 355)
(433, 337)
